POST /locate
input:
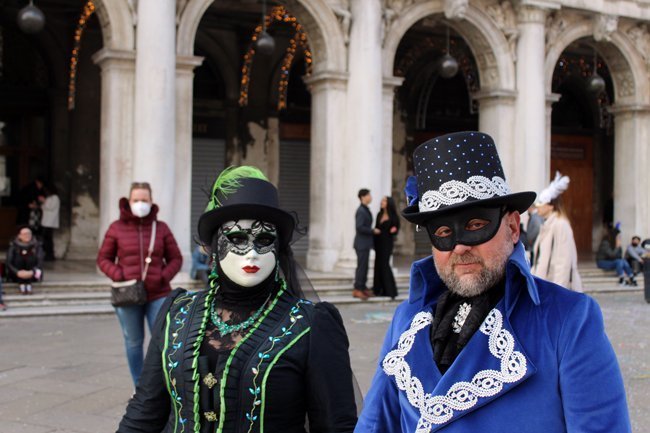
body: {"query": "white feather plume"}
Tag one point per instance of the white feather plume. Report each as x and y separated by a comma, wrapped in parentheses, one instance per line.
(553, 191)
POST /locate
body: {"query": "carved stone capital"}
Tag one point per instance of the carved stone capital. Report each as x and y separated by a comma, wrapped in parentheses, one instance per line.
(397, 5)
(604, 26)
(531, 14)
(342, 11)
(556, 24)
(504, 16)
(640, 37)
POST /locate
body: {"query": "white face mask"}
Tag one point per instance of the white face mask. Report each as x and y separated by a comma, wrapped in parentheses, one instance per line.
(247, 251)
(140, 208)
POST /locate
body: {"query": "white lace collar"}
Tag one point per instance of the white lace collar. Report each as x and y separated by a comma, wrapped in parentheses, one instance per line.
(461, 396)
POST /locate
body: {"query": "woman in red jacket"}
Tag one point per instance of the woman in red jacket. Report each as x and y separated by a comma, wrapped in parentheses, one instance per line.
(122, 257)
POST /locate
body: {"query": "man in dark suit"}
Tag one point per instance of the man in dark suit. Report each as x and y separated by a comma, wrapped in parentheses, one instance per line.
(363, 242)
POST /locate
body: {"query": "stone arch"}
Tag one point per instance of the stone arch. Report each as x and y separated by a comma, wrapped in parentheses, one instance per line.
(486, 41)
(631, 112)
(229, 72)
(116, 18)
(325, 35)
(627, 68)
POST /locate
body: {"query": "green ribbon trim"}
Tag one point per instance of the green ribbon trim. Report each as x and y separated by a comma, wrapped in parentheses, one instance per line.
(224, 376)
(268, 370)
(164, 366)
(195, 360)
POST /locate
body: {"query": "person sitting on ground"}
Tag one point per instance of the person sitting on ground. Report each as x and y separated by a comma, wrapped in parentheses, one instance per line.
(609, 257)
(3, 306)
(24, 260)
(200, 264)
(634, 255)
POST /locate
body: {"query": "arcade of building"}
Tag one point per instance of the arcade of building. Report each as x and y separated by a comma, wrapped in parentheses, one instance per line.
(172, 92)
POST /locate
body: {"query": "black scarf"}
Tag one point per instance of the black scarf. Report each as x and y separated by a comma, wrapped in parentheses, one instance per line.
(447, 343)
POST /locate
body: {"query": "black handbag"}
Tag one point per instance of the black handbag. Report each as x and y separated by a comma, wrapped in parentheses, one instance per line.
(133, 292)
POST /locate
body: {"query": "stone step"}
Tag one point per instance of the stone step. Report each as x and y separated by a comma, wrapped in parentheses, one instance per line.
(90, 307)
(66, 310)
(94, 308)
(93, 296)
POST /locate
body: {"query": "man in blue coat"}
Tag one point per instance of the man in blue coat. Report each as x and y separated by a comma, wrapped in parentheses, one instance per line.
(481, 345)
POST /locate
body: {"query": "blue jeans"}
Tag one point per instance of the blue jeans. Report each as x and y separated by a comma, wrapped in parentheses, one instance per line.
(132, 322)
(622, 267)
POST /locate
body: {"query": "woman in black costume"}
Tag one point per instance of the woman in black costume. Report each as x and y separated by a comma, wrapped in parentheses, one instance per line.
(248, 354)
(388, 224)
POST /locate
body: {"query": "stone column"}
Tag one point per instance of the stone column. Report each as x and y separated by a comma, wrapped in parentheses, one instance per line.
(390, 84)
(494, 107)
(631, 159)
(181, 216)
(395, 141)
(550, 100)
(366, 156)
(155, 94)
(116, 126)
(328, 96)
(532, 152)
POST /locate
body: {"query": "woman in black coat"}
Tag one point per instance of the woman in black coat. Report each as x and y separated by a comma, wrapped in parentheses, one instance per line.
(248, 354)
(388, 224)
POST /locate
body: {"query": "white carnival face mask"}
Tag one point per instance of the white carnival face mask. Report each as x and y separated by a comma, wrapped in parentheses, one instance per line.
(140, 208)
(247, 251)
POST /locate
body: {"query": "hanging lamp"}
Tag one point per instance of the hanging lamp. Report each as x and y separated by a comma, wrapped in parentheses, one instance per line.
(595, 83)
(448, 64)
(265, 43)
(30, 19)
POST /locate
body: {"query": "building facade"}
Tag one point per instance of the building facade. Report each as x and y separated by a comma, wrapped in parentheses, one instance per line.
(171, 92)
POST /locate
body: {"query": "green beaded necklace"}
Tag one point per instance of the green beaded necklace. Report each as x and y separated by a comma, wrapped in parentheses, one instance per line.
(225, 329)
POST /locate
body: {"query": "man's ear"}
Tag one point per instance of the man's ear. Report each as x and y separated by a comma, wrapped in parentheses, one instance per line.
(513, 219)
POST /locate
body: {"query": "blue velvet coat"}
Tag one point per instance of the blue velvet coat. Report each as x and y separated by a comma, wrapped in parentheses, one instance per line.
(539, 363)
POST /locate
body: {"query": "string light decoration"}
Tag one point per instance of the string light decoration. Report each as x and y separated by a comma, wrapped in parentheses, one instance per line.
(280, 15)
(88, 11)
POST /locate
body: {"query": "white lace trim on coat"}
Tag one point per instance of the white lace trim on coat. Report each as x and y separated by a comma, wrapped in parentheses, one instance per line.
(456, 191)
(438, 409)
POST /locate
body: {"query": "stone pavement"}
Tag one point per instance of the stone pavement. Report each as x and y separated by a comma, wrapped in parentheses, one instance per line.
(69, 374)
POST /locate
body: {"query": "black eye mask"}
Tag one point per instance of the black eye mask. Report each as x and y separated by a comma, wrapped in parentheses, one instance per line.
(460, 232)
(261, 237)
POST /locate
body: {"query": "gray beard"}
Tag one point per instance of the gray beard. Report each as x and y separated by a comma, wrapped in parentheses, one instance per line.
(475, 284)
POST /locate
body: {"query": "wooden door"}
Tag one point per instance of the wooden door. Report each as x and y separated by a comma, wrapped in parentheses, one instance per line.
(572, 155)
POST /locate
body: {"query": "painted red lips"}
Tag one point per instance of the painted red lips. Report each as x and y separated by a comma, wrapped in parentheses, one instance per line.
(250, 269)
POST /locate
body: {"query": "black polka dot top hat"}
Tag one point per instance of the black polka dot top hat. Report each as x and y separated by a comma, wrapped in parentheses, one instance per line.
(455, 171)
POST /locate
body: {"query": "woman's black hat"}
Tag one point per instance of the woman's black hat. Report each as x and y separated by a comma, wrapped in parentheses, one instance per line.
(252, 199)
(455, 171)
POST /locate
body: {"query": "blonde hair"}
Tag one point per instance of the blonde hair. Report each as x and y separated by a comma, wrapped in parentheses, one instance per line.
(140, 185)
